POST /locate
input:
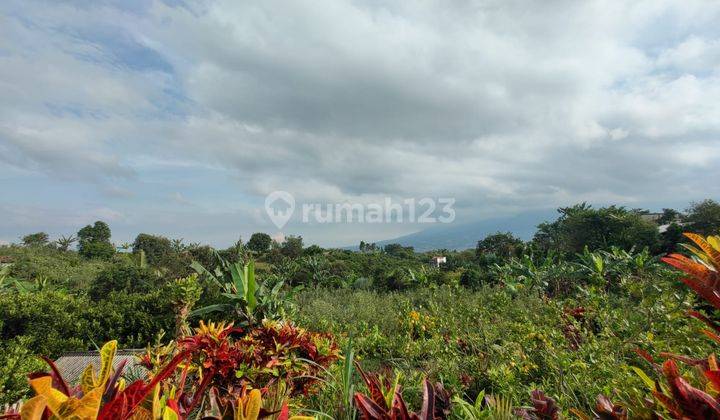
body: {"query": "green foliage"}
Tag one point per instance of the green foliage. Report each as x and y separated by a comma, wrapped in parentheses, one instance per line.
(124, 278)
(292, 247)
(245, 299)
(504, 245)
(36, 239)
(53, 322)
(510, 345)
(50, 322)
(16, 362)
(397, 250)
(64, 269)
(490, 407)
(582, 226)
(184, 293)
(158, 249)
(94, 241)
(703, 218)
(259, 242)
(64, 242)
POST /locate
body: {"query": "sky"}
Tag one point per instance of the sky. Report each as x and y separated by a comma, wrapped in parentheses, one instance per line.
(179, 117)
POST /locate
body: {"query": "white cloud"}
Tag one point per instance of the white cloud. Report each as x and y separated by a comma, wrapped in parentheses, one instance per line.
(505, 105)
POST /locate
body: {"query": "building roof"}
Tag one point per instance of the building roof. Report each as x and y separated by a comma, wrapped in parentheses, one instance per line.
(72, 364)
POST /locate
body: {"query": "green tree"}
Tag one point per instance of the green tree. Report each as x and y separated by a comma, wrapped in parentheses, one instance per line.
(672, 236)
(95, 241)
(124, 278)
(397, 250)
(669, 216)
(582, 226)
(292, 247)
(703, 218)
(35, 239)
(502, 244)
(259, 242)
(158, 249)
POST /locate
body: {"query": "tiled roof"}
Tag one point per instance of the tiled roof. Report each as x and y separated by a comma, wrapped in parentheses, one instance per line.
(72, 364)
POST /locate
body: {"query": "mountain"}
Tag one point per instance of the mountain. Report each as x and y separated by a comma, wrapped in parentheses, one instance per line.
(464, 236)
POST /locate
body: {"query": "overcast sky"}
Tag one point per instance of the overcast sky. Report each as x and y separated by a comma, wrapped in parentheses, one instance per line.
(178, 117)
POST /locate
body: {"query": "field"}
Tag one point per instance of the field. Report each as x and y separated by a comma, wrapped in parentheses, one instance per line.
(536, 329)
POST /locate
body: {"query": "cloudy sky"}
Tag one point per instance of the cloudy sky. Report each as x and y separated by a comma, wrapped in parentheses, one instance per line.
(178, 117)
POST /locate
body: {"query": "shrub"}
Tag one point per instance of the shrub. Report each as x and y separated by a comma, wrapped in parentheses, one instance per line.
(16, 362)
(158, 249)
(471, 278)
(63, 269)
(124, 278)
(49, 323)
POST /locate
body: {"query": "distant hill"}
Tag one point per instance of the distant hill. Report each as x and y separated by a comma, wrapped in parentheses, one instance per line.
(464, 236)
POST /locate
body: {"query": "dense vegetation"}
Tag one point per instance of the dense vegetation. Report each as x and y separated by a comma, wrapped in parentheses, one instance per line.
(573, 312)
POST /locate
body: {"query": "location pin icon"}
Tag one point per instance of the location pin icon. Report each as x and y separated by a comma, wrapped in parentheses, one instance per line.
(279, 206)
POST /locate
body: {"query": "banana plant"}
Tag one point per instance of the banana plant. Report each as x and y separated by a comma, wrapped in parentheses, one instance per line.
(238, 286)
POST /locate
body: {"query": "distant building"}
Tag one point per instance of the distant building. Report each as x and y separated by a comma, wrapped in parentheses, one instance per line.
(437, 261)
(655, 218)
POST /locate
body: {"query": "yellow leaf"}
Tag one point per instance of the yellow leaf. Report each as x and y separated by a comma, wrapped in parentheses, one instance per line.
(54, 398)
(714, 241)
(89, 405)
(169, 414)
(252, 407)
(156, 404)
(33, 408)
(302, 418)
(107, 354)
(649, 382)
(87, 379)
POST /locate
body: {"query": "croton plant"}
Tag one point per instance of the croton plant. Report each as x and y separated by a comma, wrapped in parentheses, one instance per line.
(186, 378)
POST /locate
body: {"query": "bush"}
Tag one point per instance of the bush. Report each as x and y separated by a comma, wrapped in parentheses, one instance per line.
(63, 269)
(158, 249)
(99, 250)
(471, 278)
(488, 339)
(50, 323)
(135, 319)
(16, 362)
(124, 278)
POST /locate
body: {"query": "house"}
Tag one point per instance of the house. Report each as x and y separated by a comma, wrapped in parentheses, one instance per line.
(71, 365)
(436, 261)
(655, 218)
